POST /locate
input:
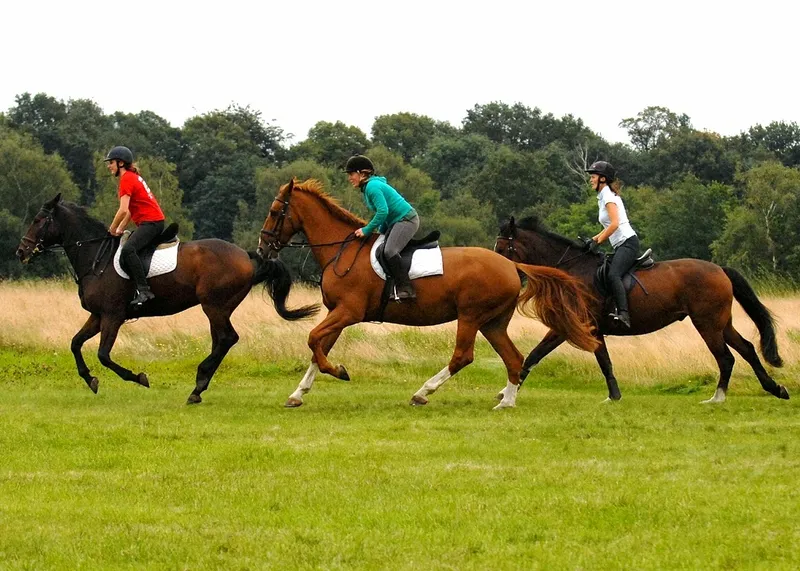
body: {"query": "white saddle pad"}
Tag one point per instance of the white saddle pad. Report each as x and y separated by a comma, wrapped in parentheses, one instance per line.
(424, 263)
(164, 261)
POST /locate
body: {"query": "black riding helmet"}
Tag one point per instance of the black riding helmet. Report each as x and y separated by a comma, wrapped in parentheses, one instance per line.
(604, 169)
(358, 163)
(120, 153)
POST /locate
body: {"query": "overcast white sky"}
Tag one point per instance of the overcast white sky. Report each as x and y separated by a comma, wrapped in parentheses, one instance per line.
(728, 65)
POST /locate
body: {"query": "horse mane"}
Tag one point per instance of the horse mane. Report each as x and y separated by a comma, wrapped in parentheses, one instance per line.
(534, 224)
(314, 187)
(84, 218)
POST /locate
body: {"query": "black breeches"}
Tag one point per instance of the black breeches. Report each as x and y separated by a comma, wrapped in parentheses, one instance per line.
(624, 257)
(143, 236)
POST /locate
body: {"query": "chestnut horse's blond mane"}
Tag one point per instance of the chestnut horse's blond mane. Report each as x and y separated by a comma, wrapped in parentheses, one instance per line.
(314, 187)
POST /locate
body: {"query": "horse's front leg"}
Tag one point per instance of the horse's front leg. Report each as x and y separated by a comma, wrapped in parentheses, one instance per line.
(108, 335)
(89, 330)
(320, 341)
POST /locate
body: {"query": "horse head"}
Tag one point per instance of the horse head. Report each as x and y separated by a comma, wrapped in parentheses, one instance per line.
(279, 226)
(506, 242)
(44, 231)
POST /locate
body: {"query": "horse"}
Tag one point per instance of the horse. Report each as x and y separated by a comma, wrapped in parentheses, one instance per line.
(668, 292)
(213, 273)
(478, 288)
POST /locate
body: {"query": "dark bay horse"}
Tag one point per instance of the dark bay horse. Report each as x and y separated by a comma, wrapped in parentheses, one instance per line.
(479, 288)
(675, 289)
(213, 273)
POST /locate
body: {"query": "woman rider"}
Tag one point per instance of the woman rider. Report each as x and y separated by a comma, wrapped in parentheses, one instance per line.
(394, 217)
(136, 201)
(618, 230)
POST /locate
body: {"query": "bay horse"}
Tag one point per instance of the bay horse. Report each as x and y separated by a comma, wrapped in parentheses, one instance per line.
(668, 292)
(479, 288)
(213, 273)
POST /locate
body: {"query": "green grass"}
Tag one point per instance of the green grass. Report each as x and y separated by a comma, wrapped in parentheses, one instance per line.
(132, 478)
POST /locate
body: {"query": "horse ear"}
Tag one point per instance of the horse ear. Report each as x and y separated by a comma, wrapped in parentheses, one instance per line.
(56, 200)
(512, 224)
(291, 185)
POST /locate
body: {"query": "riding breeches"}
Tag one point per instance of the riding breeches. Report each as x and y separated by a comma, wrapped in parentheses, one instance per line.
(624, 257)
(143, 236)
(399, 236)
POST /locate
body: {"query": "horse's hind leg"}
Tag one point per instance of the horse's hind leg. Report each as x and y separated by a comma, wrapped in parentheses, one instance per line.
(108, 336)
(748, 352)
(497, 336)
(462, 356)
(223, 337)
(89, 330)
(716, 344)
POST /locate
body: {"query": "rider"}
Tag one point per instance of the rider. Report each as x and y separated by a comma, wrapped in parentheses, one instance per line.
(136, 201)
(393, 217)
(618, 230)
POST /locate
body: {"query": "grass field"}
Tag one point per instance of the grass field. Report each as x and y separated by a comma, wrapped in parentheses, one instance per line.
(133, 478)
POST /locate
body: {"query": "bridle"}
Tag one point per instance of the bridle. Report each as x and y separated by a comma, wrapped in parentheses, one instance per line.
(274, 242)
(40, 248)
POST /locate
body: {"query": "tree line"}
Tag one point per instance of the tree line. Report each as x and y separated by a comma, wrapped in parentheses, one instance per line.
(690, 193)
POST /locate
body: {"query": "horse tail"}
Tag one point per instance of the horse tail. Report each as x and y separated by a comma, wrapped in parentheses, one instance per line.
(560, 301)
(760, 315)
(277, 280)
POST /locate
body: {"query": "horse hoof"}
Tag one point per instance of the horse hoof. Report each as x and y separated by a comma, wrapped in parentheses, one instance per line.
(501, 406)
(783, 393)
(94, 384)
(417, 400)
(194, 399)
(343, 374)
(293, 403)
(141, 379)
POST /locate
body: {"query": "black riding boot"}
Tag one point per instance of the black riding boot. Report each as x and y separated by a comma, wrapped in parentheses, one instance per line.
(402, 284)
(136, 270)
(621, 315)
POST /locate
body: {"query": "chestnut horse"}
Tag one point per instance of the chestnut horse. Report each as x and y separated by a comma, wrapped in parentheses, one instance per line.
(670, 291)
(213, 273)
(479, 288)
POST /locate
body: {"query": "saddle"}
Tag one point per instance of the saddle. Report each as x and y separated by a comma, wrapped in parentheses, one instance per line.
(167, 239)
(643, 262)
(426, 243)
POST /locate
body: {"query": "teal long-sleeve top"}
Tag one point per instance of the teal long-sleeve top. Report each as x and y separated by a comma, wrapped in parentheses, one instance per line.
(387, 204)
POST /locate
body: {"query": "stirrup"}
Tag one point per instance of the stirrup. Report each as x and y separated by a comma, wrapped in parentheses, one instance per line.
(142, 296)
(621, 317)
(403, 294)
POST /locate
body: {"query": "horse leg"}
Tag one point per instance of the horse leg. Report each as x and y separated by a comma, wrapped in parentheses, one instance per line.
(89, 330)
(462, 356)
(601, 354)
(716, 344)
(497, 336)
(223, 337)
(320, 341)
(549, 343)
(296, 398)
(748, 352)
(108, 336)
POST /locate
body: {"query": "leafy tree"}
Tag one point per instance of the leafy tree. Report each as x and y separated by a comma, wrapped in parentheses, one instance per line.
(652, 126)
(704, 155)
(146, 134)
(28, 178)
(407, 134)
(780, 138)
(683, 221)
(451, 161)
(331, 144)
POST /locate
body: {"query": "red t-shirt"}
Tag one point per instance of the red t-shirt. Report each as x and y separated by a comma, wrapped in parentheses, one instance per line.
(143, 205)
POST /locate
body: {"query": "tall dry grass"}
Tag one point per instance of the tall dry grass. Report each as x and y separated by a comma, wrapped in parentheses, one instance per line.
(47, 314)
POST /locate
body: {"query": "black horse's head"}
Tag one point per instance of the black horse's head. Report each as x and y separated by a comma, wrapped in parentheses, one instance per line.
(44, 231)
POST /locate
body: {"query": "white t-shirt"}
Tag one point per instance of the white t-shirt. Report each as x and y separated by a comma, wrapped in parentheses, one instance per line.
(624, 230)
